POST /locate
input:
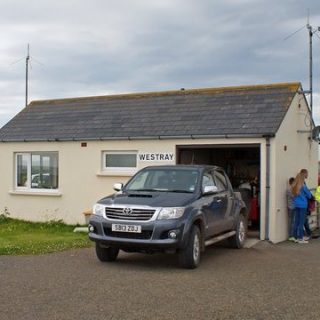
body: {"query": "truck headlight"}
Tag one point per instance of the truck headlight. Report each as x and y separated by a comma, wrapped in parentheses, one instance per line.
(98, 209)
(170, 213)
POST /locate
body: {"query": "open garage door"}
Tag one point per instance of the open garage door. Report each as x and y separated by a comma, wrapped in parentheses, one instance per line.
(241, 163)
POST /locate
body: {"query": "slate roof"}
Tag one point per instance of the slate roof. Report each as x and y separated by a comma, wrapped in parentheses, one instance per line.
(230, 111)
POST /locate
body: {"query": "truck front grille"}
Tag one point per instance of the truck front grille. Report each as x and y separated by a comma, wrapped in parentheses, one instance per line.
(133, 214)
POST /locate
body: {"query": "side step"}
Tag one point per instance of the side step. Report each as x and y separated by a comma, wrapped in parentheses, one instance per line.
(219, 238)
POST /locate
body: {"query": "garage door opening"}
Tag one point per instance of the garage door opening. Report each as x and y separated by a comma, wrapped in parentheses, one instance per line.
(242, 165)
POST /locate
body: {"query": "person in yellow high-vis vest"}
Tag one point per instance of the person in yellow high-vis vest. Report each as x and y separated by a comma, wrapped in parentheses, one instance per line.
(317, 197)
(317, 193)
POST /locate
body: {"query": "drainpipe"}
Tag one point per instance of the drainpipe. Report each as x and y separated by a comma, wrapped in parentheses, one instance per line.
(267, 188)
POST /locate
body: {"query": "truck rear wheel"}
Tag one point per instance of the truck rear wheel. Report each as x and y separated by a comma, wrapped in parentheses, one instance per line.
(189, 257)
(237, 241)
(106, 254)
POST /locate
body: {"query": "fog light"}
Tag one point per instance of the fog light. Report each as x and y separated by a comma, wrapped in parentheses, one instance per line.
(91, 228)
(172, 234)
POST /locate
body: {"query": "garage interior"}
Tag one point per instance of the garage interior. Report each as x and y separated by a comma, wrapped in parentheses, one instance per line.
(242, 165)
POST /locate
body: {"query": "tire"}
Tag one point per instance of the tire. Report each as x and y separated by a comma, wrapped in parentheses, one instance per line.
(106, 254)
(189, 257)
(237, 241)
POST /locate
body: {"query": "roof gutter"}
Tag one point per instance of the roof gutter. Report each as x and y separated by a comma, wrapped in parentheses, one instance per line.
(159, 137)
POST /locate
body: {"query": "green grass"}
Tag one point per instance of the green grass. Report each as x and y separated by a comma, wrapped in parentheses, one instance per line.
(18, 237)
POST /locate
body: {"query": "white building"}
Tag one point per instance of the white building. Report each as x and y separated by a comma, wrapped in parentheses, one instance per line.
(59, 157)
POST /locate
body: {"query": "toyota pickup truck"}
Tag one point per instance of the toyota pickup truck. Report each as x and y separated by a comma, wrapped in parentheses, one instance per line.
(176, 208)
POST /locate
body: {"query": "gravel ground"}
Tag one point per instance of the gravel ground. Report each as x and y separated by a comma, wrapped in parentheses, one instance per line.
(264, 282)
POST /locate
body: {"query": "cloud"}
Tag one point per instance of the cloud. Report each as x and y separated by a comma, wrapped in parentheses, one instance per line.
(101, 47)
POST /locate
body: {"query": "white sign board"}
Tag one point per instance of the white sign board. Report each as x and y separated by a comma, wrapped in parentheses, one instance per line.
(156, 157)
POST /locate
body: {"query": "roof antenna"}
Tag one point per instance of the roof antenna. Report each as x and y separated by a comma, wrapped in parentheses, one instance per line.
(28, 62)
(27, 69)
(311, 32)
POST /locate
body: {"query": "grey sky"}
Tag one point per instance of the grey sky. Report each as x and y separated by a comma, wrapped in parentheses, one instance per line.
(100, 47)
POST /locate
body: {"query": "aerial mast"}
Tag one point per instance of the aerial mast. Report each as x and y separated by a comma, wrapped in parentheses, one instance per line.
(27, 69)
(309, 27)
(311, 31)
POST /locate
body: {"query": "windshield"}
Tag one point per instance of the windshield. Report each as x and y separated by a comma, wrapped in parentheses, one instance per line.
(167, 180)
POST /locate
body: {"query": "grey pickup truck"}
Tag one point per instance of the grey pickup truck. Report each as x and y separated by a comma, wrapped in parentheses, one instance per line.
(176, 208)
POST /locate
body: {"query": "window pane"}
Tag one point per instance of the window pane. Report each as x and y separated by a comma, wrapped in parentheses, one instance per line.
(139, 182)
(35, 168)
(22, 170)
(44, 171)
(121, 160)
(207, 181)
(220, 180)
(165, 179)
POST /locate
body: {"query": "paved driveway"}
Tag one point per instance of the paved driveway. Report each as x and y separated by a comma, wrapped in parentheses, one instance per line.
(264, 282)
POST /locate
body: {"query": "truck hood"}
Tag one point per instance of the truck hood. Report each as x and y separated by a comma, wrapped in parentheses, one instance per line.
(152, 199)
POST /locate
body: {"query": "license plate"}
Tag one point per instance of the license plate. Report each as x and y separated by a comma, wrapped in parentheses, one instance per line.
(126, 228)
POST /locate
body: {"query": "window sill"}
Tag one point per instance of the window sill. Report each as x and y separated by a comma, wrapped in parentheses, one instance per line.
(115, 173)
(36, 193)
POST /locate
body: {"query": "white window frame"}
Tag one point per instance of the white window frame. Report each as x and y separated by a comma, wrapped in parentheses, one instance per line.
(119, 170)
(29, 169)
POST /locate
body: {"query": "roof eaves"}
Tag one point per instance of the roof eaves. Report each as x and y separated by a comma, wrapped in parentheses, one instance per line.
(161, 137)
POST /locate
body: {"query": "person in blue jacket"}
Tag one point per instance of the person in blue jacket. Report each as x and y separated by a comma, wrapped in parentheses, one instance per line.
(306, 226)
(301, 195)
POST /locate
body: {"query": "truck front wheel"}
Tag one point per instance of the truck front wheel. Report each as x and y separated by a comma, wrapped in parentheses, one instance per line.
(237, 241)
(106, 254)
(189, 257)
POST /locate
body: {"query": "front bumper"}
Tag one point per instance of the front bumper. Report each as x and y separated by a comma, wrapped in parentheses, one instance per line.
(154, 234)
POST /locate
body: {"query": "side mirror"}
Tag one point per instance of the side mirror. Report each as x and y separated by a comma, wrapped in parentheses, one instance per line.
(210, 189)
(118, 186)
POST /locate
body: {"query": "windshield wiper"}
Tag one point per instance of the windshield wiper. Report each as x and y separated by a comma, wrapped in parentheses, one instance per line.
(161, 190)
(180, 191)
(150, 190)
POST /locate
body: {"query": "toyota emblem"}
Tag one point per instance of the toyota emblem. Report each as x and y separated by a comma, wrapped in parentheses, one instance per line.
(127, 211)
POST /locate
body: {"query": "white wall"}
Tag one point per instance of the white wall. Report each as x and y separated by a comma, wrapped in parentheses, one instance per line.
(291, 151)
(81, 180)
